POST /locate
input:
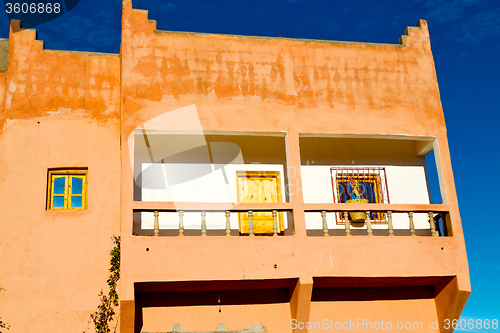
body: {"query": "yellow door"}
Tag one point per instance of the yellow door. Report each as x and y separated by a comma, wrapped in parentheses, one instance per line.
(259, 187)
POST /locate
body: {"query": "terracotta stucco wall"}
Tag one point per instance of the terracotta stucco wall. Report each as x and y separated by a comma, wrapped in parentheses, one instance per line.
(59, 80)
(60, 109)
(258, 84)
(388, 80)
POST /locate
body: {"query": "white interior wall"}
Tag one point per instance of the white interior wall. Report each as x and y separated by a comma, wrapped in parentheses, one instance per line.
(210, 186)
(407, 182)
(405, 171)
(406, 185)
(202, 148)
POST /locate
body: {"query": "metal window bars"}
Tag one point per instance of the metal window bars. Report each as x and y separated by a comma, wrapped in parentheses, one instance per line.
(371, 183)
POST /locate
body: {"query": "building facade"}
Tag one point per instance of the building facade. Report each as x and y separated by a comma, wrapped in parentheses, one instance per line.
(268, 184)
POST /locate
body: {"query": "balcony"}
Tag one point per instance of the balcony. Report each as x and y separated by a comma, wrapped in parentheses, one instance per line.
(206, 185)
(335, 220)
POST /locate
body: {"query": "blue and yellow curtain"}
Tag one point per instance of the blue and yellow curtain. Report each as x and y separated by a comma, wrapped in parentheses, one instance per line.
(369, 189)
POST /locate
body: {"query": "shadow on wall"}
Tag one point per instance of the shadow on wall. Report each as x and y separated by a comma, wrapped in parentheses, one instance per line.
(210, 293)
(257, 328)
(433, 178)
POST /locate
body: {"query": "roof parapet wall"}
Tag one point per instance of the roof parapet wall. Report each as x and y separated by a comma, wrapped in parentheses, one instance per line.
(138, 20)
(40, 82)
(158, 64)
(305, 73)
(417, 36)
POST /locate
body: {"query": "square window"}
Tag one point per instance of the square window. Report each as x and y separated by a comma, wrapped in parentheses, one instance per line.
(67, 189)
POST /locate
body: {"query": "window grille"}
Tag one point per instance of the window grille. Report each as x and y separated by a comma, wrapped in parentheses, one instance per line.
(369, 183)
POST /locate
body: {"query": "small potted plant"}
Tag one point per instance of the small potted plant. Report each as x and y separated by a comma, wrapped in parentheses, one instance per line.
(357, 218)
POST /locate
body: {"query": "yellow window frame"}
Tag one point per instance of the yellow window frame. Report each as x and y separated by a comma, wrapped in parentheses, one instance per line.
(68, 175)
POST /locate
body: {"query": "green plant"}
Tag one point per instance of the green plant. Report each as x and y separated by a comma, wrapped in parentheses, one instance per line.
(4, 325)
(105, 310)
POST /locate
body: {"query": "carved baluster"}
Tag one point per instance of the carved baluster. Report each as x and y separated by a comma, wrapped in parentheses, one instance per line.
(203, 224)
(156, 224)
(228, 223)
(181, 223)
(368, 224)
(434, 233)
(325, 224)
(275, 223)
(346, 224)
(412, 225)
(389, 221)
(250, 223)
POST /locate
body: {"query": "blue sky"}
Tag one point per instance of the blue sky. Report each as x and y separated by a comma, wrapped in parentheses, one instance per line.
(465, 40)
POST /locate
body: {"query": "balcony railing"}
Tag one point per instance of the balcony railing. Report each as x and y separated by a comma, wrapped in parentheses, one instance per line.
(220, 210)
(437, 217)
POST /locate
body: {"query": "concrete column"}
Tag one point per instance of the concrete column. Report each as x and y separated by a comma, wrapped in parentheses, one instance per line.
(127, 316)
(450, 301)
(300, 303)
(295, 185)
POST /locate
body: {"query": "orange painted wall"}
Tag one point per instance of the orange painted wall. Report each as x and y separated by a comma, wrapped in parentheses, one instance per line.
(275, 317)
(331, 78)
(373, 316)
(61, 109)
(240, 83)
(84, 84)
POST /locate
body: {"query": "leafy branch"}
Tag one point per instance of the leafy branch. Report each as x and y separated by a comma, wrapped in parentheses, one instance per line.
(4, 325)
(105, 310)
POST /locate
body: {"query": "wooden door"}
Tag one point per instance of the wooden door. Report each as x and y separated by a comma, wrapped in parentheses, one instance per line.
(259, 187)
